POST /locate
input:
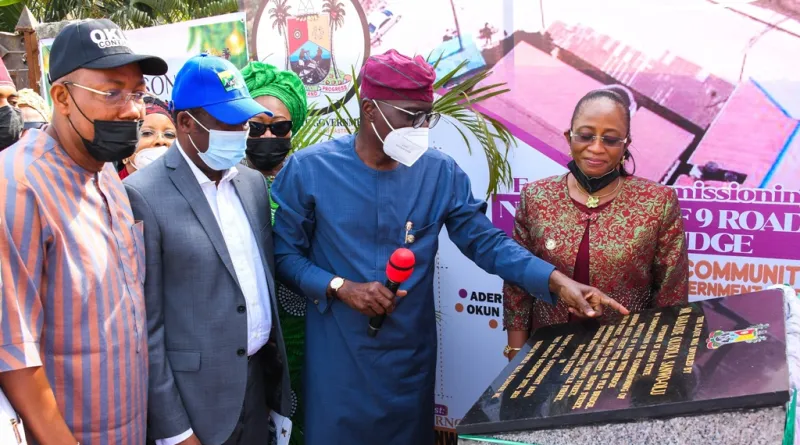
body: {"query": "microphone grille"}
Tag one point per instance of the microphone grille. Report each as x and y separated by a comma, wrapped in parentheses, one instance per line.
(400, 265)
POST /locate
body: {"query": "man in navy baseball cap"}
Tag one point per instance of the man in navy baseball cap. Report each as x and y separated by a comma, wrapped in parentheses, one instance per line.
(98, 91)
(212, 215)
(97, 44)
(73, 260)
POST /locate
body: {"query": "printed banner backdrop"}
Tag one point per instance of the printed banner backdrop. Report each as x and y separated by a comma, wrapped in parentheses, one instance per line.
(224, 36)
(715, 115)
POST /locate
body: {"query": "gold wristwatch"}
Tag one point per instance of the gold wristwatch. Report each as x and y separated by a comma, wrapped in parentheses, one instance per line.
(508, 350)
(336, 284)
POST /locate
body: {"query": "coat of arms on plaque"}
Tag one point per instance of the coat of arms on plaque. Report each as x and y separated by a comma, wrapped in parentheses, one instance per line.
(753, 334)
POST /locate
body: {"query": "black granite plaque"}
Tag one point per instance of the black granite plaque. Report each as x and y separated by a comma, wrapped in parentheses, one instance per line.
(715, 355)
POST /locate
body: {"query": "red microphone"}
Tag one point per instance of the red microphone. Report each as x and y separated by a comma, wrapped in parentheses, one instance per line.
(398, 269)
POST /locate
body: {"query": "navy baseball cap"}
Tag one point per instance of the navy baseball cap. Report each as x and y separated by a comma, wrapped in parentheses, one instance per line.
(215, 85)
(97, 44)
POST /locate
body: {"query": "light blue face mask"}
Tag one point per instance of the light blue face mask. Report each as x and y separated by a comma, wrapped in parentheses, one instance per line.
(225, 148)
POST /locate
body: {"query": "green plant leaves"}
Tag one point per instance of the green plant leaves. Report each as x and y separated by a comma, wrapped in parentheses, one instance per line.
(457, 107)
(127, 14)
(313, 130)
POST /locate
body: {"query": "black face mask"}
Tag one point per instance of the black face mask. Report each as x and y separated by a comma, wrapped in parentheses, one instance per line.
(113, 140)
(10, 126)
(265, 154)
(592, 185)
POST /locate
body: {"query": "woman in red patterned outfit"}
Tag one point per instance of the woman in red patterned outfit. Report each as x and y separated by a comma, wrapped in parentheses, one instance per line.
(599, 224)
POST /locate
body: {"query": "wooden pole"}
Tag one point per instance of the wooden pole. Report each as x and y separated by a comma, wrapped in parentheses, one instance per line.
(27, 27)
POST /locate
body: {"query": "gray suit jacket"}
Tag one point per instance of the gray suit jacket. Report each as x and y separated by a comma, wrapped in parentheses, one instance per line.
(197, 328)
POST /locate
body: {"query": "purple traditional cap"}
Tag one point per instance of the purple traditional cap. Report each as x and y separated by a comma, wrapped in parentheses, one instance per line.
(393, 76)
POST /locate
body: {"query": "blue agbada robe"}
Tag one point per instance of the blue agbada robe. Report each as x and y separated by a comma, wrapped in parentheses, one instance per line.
(338, 217)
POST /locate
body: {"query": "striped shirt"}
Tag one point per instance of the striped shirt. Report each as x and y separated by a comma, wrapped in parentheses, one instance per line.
(72, 262)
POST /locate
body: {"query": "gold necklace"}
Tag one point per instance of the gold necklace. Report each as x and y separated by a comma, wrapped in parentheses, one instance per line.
(592, 201)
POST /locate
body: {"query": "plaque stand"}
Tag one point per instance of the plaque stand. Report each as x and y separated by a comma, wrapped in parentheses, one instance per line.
(719, 388)
(735, 428)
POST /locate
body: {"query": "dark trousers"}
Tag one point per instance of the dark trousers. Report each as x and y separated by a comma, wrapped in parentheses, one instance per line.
(254, 426)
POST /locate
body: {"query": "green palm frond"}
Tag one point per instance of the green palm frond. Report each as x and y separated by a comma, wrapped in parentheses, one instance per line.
(131, 17)
(57, 10)
(457, 107)
(9, 16)
(356, 87)
(162, 11)
(312, 131)
(218, 7)
(343, 115)
(128, 14)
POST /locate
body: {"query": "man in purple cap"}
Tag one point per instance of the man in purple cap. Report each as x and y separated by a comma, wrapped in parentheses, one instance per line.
(73, 360)
(216, 348)
(343, 207)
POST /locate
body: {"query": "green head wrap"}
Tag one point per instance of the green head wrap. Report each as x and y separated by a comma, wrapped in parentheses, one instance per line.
(263, 79)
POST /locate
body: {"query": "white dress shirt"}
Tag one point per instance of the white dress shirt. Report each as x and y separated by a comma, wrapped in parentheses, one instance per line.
(243, 250)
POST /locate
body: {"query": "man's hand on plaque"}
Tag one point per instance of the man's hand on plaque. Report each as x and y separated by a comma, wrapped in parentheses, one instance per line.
(582, 300)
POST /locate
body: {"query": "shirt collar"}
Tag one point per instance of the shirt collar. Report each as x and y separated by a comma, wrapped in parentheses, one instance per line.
(199, 175)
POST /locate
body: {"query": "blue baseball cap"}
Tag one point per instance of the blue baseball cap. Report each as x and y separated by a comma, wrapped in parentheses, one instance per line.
(215, 85)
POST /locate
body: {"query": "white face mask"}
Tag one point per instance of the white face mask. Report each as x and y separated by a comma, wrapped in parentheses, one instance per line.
(225, 148)
(404, 145)
(147, 156)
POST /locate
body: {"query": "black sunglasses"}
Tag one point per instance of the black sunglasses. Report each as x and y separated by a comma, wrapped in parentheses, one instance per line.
(279, 129)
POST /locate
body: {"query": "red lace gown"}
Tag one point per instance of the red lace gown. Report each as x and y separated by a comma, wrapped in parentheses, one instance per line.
(632, 248)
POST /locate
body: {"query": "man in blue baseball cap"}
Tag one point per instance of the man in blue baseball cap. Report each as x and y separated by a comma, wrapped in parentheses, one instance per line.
(216, 351)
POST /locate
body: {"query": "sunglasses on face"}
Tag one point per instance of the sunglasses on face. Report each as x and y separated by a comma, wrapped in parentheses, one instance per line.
(279, 129)
(418, 118)
(588, 138)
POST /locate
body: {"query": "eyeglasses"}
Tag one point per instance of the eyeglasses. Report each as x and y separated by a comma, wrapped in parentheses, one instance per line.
(279, 129)
(116, 98)
(148, 133)
(419, 117)
(588, 138)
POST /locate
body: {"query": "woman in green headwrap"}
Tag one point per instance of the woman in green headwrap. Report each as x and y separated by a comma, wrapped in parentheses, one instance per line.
(283, 93)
